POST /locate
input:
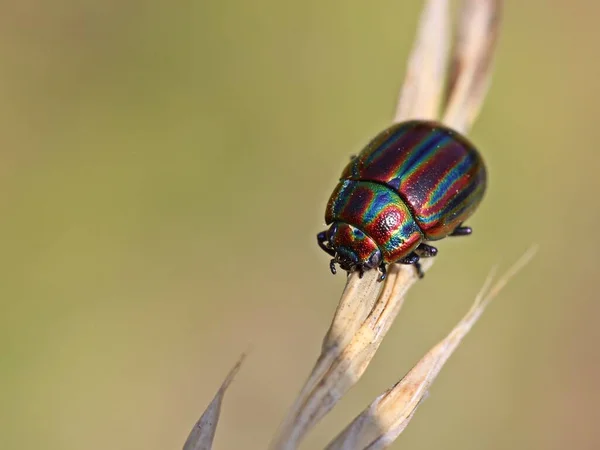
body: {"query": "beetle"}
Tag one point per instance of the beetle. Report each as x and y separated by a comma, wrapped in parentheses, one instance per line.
(415, 182)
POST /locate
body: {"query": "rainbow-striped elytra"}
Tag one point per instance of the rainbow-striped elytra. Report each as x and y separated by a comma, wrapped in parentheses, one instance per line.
(416, 181)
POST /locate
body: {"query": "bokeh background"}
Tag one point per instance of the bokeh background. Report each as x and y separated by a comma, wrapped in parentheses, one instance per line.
(164, 168)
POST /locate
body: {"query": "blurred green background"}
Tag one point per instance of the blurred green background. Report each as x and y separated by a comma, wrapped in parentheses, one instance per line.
(164, 168)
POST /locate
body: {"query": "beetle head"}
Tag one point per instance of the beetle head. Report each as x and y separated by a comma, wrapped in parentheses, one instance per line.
(354, 250)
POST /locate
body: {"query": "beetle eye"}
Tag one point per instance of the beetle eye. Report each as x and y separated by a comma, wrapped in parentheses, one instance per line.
(374, 259)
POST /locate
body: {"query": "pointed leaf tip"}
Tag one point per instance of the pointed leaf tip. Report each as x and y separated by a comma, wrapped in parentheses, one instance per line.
(202, 435)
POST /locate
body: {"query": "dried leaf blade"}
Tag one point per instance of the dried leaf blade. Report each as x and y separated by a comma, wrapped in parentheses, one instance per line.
(202, 435)
(421, 91)
(471, 61)
(339, 367)
(388, 415)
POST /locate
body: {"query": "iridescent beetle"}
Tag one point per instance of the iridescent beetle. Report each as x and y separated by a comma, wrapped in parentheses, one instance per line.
(416, 181)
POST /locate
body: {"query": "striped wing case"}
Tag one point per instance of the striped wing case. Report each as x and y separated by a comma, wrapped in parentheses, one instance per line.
(437, 172)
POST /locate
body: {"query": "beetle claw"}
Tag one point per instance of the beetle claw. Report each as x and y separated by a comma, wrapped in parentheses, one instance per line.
(332, 266)
(383, 271)
(420, 272)
(411, 258)
(462, 231)
(426, 251)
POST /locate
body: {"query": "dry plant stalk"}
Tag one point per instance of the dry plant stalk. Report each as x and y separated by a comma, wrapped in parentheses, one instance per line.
(389, 414)
(367, 308)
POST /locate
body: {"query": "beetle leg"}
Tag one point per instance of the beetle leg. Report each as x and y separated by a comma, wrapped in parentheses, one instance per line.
(352, 157)
(383, 271)
(412, 258)
(426, 251)
(321, 239)
(332, 266)
(419, 270)
(462, 231)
